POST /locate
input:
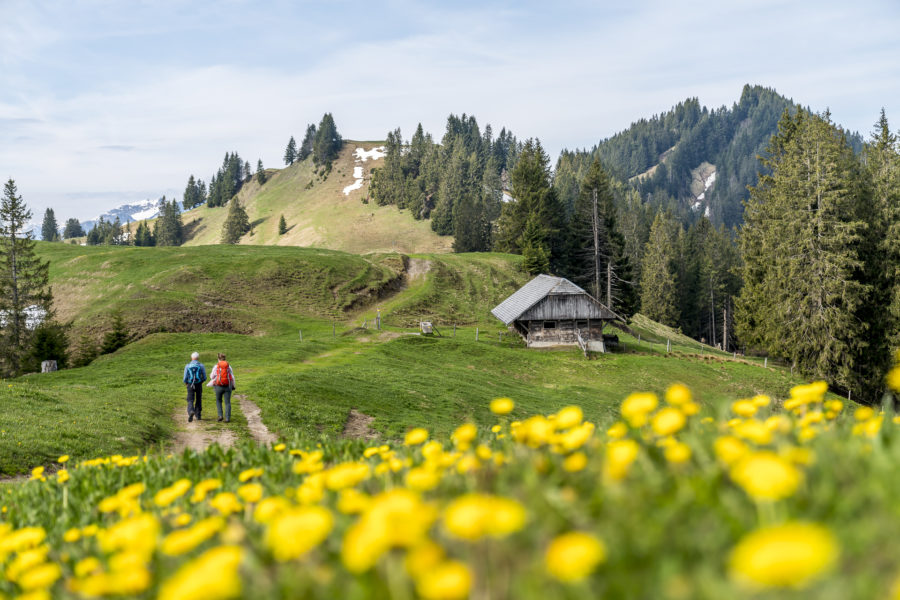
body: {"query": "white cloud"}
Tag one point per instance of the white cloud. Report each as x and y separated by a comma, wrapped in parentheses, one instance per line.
(570, 78)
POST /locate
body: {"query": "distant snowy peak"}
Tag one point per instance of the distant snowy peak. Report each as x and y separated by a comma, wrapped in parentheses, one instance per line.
(127, 213)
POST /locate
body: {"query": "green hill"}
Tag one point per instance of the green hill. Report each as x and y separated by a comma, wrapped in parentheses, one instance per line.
(318, 212)
(251, 301)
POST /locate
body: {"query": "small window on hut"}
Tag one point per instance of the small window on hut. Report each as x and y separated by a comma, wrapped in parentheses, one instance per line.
(581, 324)
(549, 324)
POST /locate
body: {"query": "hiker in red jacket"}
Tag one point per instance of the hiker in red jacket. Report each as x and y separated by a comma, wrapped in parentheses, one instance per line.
(222, 381)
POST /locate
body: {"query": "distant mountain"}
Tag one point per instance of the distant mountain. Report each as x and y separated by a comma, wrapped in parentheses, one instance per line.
(127, 213)
(692, 160)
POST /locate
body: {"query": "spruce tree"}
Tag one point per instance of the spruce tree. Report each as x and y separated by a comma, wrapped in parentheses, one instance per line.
(309, 139)
(236, 224)
(882, 158)
(282, 226)
(169, 229)
(290, 153)
(24, 282)
(803, 245)
(73, 229)
(50, 229)
(535, 257)
(532, 194)
(658, 281)
(117, 337)
(327, 142)
(260, 173)
(48, 343)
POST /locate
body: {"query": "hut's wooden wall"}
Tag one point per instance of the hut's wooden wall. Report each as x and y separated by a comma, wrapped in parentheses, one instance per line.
(566, 306)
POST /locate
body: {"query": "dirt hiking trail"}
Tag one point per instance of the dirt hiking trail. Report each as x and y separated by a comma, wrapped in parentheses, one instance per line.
(199, 435)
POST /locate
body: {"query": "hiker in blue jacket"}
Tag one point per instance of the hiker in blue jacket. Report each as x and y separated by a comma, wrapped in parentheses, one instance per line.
(194, 376)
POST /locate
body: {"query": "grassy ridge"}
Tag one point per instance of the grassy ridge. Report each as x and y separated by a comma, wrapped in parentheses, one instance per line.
(318, 213)
(214, 288)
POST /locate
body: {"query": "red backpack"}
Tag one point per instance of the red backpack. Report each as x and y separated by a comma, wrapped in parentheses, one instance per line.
(222, 378)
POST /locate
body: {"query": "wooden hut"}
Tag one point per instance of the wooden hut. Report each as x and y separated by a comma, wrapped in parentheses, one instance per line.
(552, 311)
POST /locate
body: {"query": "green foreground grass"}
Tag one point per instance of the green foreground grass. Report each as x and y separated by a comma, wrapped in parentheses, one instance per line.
(123, 403)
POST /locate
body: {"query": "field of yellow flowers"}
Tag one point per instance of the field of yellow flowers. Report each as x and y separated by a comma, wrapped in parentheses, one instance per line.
(794, 497)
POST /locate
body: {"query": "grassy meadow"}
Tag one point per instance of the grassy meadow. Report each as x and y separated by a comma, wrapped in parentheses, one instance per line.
(483, 470)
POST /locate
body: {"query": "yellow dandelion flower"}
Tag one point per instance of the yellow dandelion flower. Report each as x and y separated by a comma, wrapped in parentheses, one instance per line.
(893, 379)
(451, 580)
(473, 516)
(63, 459)
(249, 474)
(251, 493)
(182, 541)
(668, 421)
(346, 475)
(678, 394)
(269, 508)
(789, 555)
(636, 408)
(86, 566)
(744, 408)
(167, 496)
(619, 456)
(617, 431)
(569, 417)
(279, 447)
(62, 476)
(226, 503)
(416, 436)
(464, 434)
(766, 476)
(203, 488)
(40, 577)
(754, 431)
(761, 401)
(211, 576)
(22, 539)
(677, 453)
(502, 406)
(575, 462)
(422, 558)
(864, 413)
(422, 479)
(573, 556)
(72, 535)
(297, 531)
(351, 501)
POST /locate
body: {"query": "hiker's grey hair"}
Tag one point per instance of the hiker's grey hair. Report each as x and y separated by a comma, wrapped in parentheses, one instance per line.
(195, 355)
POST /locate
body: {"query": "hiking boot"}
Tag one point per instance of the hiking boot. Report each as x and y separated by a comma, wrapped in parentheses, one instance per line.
(191, 417)
(228, 420)
(198, 418)
(220, 419)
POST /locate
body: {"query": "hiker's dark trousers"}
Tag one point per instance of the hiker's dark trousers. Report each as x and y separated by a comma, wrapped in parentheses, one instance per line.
(223, 392)
(194, 397)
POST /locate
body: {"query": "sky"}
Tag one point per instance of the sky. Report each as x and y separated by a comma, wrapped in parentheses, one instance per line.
(108, 102)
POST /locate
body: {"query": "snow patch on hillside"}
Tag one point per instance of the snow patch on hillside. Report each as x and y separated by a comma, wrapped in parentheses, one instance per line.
(358, 172)
(709, 181)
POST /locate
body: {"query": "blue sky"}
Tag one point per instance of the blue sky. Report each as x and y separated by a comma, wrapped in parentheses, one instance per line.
(107, 102)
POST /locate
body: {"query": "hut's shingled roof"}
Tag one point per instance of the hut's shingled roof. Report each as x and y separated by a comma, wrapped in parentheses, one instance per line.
(533, 292)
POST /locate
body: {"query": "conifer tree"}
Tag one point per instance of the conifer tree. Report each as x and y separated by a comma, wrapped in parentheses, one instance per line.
(117, 337)
(309, 139)
(24, 281)
(658, 281)
(143, 236)
(248, 173)
(49, 229)
(533, 195)
(802, 244)
(282, 226)
(327, 142)
(73, 229)
(48, 343)
(535, 257)
(290, 153)
(236, 224)
(169, 229)
(882, 158)
(260, 173)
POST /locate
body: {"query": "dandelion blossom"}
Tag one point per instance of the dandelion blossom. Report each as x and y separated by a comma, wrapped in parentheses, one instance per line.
(573, 556)
(789, 555)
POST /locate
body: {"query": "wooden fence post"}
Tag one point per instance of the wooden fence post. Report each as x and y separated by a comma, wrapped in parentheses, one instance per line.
(301, 335)
(476, 334)
(454, 330)
(333, 329)
(766, 362)
(668, 343)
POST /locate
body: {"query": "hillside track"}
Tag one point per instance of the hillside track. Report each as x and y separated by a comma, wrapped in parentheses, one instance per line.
(199, 435)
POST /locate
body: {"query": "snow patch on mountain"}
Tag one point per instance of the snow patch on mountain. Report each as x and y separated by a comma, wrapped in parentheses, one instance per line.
(358, 172)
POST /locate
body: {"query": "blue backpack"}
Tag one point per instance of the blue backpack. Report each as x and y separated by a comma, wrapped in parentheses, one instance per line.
(194, 374)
